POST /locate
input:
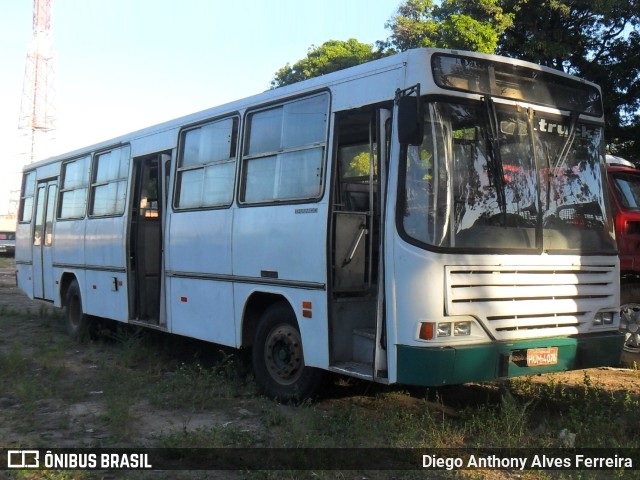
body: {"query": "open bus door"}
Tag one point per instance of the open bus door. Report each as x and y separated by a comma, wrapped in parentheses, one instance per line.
(358, 341)
(43, 283)
(146, 238)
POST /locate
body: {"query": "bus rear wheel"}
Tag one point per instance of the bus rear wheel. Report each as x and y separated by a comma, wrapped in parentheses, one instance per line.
(77, 322)
(278, 358)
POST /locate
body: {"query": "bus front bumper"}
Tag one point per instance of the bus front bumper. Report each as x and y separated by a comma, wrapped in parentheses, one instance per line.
(470, 363)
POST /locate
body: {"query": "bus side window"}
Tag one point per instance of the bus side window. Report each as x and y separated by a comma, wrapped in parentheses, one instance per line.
(284, 153)
(149, 207)
(207, 165)
(109, 183)
(354, 176)
(26, 199)
(73, 192)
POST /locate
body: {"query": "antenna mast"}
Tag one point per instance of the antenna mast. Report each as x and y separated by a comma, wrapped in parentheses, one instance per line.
(36, 118)
(36, 108)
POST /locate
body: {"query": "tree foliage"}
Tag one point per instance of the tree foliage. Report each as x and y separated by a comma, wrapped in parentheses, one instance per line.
(598, 40)
(458, 24)
(329, 57)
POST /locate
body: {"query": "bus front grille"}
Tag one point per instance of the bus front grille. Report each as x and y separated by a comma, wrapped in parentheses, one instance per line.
(531, 301)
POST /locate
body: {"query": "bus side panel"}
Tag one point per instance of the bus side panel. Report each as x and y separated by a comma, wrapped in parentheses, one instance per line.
(283, 242)
(24, 274)
(106, 287)
(198, 269)
(200, 242)
(24, 258)
(106, 295)
(202, 309)
(286, 244)
(69, 243)
(105, 242)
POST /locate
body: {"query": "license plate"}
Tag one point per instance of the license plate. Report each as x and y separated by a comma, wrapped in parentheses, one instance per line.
(542, 356)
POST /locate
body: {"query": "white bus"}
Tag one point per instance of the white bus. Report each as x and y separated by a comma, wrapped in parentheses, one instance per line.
(434, 217)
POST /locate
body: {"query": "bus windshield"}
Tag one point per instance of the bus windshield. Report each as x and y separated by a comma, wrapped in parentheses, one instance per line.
(499, 176)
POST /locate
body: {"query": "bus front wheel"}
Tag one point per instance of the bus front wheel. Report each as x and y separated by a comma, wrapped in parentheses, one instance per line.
(278, 358)
(77, 322)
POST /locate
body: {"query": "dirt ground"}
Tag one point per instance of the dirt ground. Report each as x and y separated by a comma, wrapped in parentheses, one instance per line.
(82, 423)
(79, 424)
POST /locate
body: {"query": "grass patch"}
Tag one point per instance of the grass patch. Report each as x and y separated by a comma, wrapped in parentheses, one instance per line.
(6, 261)
(8, 311)
(217, 436)
(208, 398)
(196, 387)
(597, 417)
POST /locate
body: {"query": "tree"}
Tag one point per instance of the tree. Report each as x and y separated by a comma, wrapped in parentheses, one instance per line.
(458, 24)
(598, 40)
(329, 57)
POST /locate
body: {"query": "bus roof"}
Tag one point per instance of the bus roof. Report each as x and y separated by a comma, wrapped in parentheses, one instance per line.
(394, 62)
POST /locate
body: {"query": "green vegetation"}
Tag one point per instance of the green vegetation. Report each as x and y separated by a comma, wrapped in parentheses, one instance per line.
(135, 388)
(6, 261)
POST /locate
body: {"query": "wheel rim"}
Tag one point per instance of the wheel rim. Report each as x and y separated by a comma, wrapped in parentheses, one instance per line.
(283, 354)
(630, 325)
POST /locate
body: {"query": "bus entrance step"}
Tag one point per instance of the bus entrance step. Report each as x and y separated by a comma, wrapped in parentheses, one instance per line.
(354, 369)
(363, 344)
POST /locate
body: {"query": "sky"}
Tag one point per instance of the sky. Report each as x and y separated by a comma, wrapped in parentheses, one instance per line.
(122, 65)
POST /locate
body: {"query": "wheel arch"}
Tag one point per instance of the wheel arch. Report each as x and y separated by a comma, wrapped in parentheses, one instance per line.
(65, 281)
(256, 304)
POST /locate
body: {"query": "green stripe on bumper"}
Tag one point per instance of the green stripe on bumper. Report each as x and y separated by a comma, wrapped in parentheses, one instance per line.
(454, 365)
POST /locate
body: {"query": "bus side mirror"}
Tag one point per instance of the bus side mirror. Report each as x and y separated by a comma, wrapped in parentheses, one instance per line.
(410, 121)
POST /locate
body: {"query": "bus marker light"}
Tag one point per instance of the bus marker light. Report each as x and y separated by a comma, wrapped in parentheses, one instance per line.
(184, 299)
(426, 330)
(306, 310)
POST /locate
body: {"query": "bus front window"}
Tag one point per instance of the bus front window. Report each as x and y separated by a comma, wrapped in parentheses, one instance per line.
(474, 184)
(576, 211)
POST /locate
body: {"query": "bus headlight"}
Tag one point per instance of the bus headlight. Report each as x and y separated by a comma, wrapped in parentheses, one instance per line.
(444, 329)
(431, 330)
(603, 318)
(461, 328)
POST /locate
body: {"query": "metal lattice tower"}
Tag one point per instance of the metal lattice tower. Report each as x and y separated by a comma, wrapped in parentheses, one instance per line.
(36, 108)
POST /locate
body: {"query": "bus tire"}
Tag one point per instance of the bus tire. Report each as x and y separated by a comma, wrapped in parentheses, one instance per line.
(630, 325)
(77, 322)
(278, 359)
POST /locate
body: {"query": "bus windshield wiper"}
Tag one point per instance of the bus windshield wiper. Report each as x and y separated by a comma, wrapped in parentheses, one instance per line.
(494, 163)
(562, 154)
(568, 142)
